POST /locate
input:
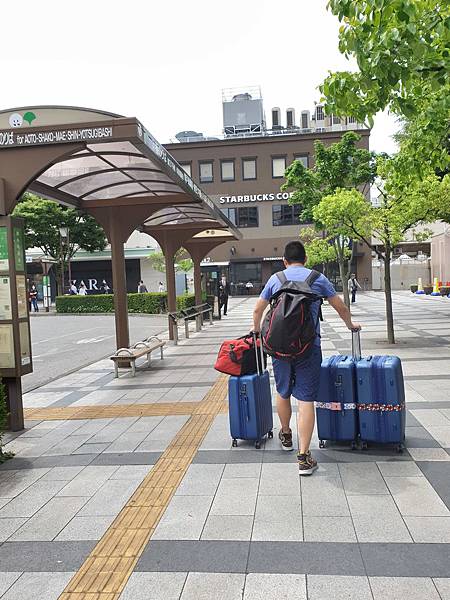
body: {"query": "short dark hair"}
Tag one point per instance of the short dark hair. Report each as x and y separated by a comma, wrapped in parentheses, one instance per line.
(295, 252)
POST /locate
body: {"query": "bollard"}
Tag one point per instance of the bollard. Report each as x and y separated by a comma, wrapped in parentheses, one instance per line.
(420, 286)
(436, 291)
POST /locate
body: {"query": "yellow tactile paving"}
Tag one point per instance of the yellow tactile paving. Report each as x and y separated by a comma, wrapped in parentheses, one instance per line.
(105, 572)
(115, 411)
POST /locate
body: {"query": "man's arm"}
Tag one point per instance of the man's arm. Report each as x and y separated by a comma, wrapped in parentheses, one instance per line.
(343, 312)
(258, 312)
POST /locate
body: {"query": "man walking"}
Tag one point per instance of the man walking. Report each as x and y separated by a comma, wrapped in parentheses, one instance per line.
(300, 378)
(224, 293)
(353, 287)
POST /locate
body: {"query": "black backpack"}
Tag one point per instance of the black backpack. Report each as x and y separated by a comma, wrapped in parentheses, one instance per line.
(289, 329)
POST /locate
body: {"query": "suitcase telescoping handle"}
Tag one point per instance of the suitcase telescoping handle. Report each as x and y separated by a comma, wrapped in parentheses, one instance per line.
(356, 344)
(259, 355)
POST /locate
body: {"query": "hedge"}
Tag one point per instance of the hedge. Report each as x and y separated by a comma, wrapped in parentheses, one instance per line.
(149, 303)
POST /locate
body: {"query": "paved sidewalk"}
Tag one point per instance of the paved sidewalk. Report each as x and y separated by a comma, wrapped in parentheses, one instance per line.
(130, 489)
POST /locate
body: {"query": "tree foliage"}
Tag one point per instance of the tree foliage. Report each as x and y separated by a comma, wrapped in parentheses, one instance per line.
(401, 48)
(340, 165)
(158, 261)
(43, 218)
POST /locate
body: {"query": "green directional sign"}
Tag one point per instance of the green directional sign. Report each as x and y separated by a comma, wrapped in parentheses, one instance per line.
(4, 262)
(19, 252)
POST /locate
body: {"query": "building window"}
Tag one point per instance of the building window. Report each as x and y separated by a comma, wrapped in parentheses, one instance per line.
(243, 216)
(186, 168)
(206, 171)
(303, 158)
(351, 120)
(227, 170)
(284, 214)
(249, 168)
(335, 120)
(278, 166)
(320, 115)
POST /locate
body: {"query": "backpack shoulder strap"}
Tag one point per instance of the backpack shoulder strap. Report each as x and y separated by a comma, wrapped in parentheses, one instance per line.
(282, 277)
(312, 277)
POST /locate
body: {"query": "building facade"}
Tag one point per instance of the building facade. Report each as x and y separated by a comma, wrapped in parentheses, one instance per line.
(243, 172)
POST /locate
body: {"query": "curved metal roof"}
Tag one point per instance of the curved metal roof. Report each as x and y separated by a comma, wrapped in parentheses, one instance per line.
(108, 161)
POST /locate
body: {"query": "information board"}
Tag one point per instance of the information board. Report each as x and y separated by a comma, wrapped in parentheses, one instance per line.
(5, 299)
(4, 262)
(6, 347)
(19, 252)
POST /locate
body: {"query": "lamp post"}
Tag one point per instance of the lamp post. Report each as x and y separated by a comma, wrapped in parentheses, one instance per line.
(64, 234)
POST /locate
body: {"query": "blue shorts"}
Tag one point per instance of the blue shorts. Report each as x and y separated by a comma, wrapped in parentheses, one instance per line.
(299, 379)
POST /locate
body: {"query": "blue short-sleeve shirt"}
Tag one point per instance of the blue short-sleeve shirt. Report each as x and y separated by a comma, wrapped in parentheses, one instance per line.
(322, 287)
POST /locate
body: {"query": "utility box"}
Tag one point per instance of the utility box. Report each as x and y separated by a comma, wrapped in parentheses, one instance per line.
(15, 343)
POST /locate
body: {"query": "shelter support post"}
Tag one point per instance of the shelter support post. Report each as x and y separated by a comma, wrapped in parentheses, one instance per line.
(169, 254)
(119, 283)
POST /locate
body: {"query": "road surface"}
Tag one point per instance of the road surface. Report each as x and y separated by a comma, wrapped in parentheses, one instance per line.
(64, 343)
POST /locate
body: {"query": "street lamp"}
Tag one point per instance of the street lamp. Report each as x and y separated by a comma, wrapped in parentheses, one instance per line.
(64, 234)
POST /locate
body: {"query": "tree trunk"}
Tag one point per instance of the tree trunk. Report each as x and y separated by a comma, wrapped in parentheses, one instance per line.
(338, 244)
(388, 296)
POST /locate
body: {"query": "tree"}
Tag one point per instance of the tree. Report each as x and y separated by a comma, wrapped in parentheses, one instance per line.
(401, 48)
(401, 208)
(402, 51)
(158, 262)
(341, 165)
(320, 250)
(43, 218)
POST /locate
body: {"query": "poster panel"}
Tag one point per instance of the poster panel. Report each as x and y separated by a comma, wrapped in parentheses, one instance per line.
(25, 351)
(6, 347)
(5, 298)
(21, 296)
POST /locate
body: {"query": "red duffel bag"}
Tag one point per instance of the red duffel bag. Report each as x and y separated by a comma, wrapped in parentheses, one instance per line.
(237, 357)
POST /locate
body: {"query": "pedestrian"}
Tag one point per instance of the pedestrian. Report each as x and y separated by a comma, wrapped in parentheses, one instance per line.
(142, 288)
(300, 378)
(224, 293)
(82, 291)
(160, 287)
(248, 287)
(73, 289)
(34, 298)
(104, 288)
(353, 287)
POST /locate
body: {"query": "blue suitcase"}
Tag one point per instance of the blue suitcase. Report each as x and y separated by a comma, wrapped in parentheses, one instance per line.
(337, 418)
(381, 400)
(250, 405)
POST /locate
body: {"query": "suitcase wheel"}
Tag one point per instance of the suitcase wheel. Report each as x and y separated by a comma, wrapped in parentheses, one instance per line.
(364, 446)
(234, 443)
(270, 435)
(258, 445)
(322, 444)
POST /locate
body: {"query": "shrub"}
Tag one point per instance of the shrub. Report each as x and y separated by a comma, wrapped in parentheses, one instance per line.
(185, 301)
(3, 421)
(414, 288)
(149, 303)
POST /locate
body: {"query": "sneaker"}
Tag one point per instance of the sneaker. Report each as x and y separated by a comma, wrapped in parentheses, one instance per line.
(286, 440)
(306, 464)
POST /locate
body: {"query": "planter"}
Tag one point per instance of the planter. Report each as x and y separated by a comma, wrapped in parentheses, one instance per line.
(428, 289)
(414, 288)
(445, 290)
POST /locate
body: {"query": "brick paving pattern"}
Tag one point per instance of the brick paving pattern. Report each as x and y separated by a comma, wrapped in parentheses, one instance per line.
(129, 488)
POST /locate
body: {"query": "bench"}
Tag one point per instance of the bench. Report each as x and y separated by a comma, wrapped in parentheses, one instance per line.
(144, 348)
(193, 312)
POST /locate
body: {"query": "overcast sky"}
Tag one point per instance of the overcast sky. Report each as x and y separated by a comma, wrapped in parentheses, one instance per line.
(167, 62)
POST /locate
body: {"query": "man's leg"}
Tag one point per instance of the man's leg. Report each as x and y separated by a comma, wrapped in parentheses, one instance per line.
(305, 425)
(282, 371)
(225, 305)
(353, 296)
(284, 410)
